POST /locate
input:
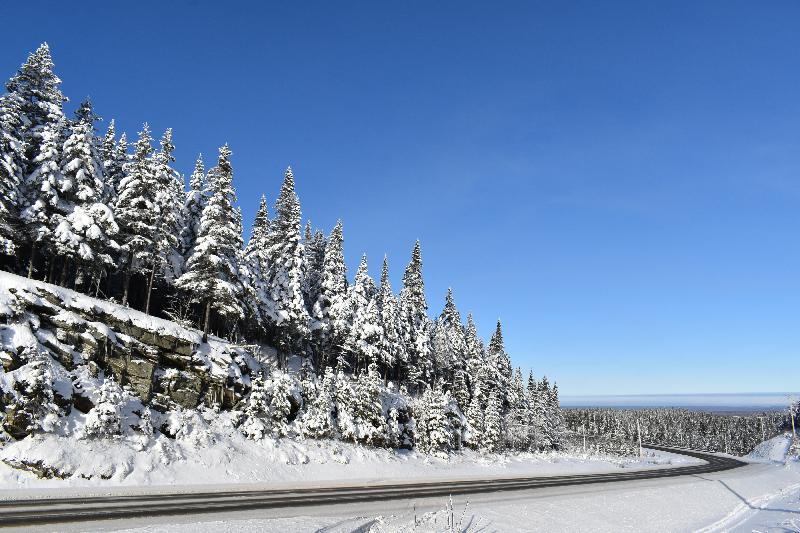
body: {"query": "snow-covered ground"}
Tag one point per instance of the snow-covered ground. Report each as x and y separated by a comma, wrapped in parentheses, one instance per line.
(762, 496)
(212, 453)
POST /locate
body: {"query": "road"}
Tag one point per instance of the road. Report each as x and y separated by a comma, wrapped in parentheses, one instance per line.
(31, 512)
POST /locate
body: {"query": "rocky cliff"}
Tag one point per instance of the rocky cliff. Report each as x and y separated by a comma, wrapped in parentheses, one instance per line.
(164, 364)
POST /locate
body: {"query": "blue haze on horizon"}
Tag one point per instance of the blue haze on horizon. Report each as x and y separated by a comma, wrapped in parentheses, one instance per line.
(618, 182)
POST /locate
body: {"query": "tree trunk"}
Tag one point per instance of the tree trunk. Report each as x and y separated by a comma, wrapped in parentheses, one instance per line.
(206, 320)
(126, 284)
(31, 261)
(149, 289)
(52, 274)
(97, 280)
(63, 281)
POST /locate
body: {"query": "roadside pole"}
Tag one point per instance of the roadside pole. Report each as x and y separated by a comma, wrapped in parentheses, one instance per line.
(584, 438)
(639, 433)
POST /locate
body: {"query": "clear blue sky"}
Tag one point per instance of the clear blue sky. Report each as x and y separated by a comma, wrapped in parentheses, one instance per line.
(618, 181)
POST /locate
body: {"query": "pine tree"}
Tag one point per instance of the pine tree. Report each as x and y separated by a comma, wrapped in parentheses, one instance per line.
(212, 270)
(392, 349)
(285, 270)
(136, 211)
(414, 312)
(84, 224)
(330, 327)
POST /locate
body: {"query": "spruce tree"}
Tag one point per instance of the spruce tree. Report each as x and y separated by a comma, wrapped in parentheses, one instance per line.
(364, 339)
(493, 423)
(166, 260)
(414, 313)
(12, 165)
(42, 103)
(449, 348)
(475, 358)
(319, 420)
(475, 415)
(392, 349)
(255, 264)
(330, 309)
(313, 263)
(136, 211)
(193, 204)
(212, 270)
(115, 157)
(84, 225)
(500, 363)
(285, 270)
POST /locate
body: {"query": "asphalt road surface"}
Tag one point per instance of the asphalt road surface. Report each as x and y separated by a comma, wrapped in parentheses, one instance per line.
(16, 513)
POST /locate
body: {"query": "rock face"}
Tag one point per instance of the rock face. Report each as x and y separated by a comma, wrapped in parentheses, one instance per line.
(161, 362)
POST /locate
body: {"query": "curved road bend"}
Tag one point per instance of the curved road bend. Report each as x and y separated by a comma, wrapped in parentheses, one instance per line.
(54, 510)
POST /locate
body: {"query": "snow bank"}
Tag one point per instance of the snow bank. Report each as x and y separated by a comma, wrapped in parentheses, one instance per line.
(772, 450)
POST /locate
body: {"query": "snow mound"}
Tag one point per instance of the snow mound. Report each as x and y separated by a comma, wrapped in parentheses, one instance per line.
(772, 450)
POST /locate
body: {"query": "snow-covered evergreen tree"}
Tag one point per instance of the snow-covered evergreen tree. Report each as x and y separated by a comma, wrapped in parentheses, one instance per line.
(212, 270)
(416, 325)
(41, 194)
(12, 165)
(256, 409)
(517, 419)
(84, 226)
(475, 416)
(501, 364)
(115, 157)
(368, 421)
(285, 270)
(42, 102)
(283, 388)
(392, 348)
(193, 204)
(105, 418)
(432, 425)
(493, 423)
(319, 419)
(475, 356)
(313, 263)
(136, 211)
(330, 309)
(364, 339)
(449, 348)
(170, 200)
